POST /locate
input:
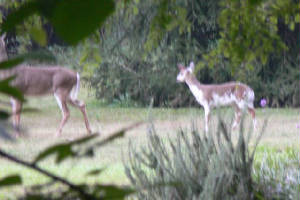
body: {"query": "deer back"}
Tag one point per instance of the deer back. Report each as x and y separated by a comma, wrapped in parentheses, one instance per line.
(43, 80)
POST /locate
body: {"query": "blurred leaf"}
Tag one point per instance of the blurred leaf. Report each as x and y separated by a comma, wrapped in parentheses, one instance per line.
(113, 192)
(69, 18)
(62, 152)
(18, 16)
(39, 35)
(95, 172)
(4, 115)
(41, 56)
(5, 88)
(10, 180)
(11, 62)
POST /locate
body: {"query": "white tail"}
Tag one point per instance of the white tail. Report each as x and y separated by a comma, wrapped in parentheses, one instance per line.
(75, 90)
(44, 80)
(235, 94)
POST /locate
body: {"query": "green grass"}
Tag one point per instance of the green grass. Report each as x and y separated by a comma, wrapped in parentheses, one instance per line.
(39, 132)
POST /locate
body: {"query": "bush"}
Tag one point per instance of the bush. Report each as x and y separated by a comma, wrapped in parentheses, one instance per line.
(199, 166)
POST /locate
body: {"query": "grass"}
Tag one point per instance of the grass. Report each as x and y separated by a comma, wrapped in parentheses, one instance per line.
(281, 134)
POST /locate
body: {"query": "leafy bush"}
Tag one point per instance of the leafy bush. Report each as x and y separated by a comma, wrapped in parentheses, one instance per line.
(195, 165)
(207, 166)
(279, 171)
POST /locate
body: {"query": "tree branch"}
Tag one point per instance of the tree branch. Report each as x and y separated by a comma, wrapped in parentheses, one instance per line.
(46, 173)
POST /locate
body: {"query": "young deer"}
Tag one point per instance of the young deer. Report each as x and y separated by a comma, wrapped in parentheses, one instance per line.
(44, 80)
(235, 94)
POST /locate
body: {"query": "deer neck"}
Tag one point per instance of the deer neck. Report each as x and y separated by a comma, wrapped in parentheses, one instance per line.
(196, 88)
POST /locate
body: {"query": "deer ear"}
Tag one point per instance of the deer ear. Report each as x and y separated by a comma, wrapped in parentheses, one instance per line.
(191, 67)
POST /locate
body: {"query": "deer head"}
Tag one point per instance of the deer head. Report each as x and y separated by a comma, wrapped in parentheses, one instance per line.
(184, 72)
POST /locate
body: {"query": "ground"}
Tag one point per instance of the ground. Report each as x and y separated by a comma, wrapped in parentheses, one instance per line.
(39, 132)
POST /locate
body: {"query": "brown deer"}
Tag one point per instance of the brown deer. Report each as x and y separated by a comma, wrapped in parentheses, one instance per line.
(44, 80)
(235, 94)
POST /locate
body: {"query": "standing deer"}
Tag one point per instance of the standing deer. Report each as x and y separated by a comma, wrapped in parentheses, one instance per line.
(44, 80)
(235, 94)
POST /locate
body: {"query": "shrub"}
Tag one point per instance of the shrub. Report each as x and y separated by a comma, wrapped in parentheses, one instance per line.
(196, 165)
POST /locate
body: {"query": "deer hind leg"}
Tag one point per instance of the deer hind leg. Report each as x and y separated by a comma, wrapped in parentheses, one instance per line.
(81, 106)
(16, 110)
(252, 112)
(61, 101)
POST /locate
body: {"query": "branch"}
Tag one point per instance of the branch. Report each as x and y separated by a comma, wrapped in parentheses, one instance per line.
(46, 173)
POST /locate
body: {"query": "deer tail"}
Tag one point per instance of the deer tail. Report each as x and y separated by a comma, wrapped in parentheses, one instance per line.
(76, 88)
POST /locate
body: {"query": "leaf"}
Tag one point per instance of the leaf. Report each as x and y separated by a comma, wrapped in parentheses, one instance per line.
(41, 56)
(113, 192)
(5, 88)
(11, 63)
(10, 180)
(95, 172)
(18, 16)
(4, 115)
(39, 35)
(62, 152)
(73, 20)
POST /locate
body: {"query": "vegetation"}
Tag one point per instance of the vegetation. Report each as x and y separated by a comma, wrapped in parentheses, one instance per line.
(128, 54)
(134, 55)
(196, 165)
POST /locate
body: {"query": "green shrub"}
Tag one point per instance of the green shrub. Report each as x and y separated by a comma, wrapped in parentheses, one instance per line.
(196, 165)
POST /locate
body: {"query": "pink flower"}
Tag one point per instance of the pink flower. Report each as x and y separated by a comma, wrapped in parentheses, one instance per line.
(263, 102)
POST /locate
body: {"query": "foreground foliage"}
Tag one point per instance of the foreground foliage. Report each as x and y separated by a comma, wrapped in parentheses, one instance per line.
(205, 166)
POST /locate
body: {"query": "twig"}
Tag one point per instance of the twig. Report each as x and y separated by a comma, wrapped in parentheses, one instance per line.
(46, 173)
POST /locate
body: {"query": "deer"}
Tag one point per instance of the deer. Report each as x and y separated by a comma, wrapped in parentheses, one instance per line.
(44, 80)
(209, 96)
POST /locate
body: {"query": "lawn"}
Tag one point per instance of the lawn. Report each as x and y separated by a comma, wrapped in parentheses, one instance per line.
(39, 132)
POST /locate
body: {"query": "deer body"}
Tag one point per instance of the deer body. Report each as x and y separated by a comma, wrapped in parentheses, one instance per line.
(233, 94)
(45, 80)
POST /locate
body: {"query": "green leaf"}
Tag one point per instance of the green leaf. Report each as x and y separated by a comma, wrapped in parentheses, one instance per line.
(4, 115)
(18, 16)
(40, 56)
(113, 192)
(10, 180)
(62, 152)
(95, 172)
(11, 62)
(39, 35)
(73, 20)
(5, 88)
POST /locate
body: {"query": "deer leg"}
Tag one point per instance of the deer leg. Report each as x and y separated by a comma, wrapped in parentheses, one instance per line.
(252, 112)
(16, 110)
(237, 117)
(207, 117)
(81, 106)
(65, 112)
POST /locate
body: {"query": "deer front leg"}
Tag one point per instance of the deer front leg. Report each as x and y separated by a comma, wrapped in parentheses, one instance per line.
(237, 117)
(207, 117)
